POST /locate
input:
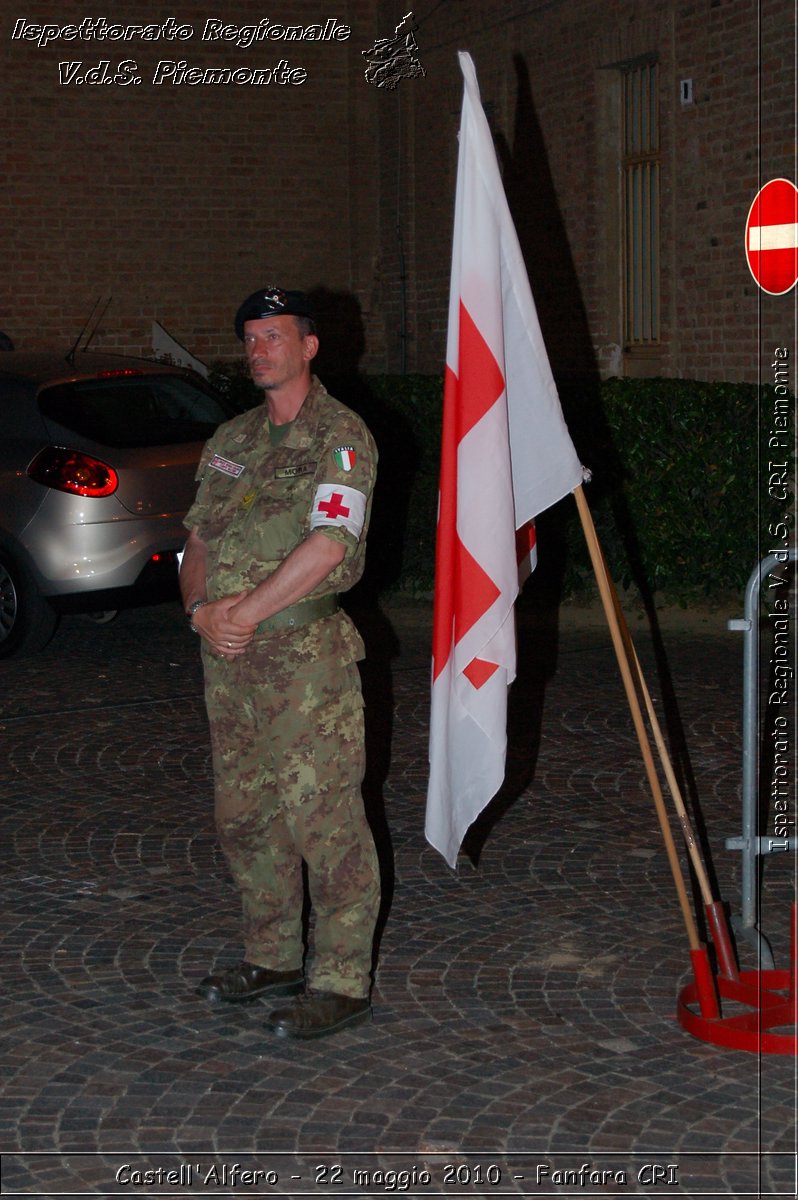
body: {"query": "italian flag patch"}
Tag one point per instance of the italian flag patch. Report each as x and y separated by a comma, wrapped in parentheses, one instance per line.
(345, 457)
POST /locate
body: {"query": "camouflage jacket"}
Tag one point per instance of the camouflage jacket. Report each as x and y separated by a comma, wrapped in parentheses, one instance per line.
(256, 502)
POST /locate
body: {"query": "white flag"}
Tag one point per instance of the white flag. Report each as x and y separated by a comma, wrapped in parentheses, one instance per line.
(506, 456)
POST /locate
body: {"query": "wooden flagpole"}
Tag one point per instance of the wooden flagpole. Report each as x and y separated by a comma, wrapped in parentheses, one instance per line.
(606, 589)
(714, 908)
(706, 990)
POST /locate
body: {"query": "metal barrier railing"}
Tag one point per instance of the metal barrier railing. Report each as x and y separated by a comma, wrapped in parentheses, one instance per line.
(752, 844)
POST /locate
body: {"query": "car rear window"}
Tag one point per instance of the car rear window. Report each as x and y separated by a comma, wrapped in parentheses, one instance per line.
(135, 410)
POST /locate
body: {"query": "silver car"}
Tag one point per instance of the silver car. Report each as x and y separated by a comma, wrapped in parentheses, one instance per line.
(97, 461)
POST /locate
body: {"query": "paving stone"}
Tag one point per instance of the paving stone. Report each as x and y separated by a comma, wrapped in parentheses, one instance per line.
(525, 1004)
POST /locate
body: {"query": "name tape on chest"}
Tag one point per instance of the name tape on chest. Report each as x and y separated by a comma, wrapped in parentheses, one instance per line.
(336, 504)
(226, 466)
(294, 472)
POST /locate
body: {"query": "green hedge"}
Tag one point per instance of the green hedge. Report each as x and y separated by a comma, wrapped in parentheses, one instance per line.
(676, 496)
(680, 509)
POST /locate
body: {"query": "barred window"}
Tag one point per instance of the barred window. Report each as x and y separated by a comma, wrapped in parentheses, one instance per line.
(640, 166)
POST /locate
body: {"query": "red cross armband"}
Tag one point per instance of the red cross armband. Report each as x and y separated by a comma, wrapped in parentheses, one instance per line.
(336, 504)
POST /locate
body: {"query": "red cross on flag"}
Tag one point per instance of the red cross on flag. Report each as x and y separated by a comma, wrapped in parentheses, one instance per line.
(506, 457)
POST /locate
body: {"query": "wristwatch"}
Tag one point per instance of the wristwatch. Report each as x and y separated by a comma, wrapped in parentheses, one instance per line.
(192, 608)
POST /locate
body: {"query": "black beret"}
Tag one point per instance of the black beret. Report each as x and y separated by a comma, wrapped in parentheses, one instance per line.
(271, 302)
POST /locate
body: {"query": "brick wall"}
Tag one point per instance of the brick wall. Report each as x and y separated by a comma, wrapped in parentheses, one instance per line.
(178, 200)
(547, 75)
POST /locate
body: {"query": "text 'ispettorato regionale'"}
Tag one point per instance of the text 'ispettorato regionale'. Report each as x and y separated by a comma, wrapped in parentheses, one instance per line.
(98, 29)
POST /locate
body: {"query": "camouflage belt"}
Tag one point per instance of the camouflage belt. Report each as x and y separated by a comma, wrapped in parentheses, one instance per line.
(301, 613)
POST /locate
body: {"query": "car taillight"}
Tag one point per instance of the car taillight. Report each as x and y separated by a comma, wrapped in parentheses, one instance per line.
(72, 471)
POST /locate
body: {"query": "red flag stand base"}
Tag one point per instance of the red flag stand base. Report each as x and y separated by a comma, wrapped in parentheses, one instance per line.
(768, 999)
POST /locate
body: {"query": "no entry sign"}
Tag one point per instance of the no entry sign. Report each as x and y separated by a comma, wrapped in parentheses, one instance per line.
(771, 237)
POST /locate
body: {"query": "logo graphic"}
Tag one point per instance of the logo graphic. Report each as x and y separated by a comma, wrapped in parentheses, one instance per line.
(395, 58)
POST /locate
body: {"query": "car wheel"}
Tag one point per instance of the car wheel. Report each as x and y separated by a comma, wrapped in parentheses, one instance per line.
(27, 621)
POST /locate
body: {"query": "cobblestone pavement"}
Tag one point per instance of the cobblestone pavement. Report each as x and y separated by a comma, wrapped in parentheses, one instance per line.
(524, 1007)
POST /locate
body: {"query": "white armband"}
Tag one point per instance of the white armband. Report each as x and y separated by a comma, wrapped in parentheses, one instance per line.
(335, 504)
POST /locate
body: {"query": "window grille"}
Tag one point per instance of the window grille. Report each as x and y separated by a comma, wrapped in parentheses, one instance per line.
(641, 206)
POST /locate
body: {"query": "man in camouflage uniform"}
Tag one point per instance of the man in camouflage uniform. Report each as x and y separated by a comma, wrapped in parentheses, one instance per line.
(277, 530)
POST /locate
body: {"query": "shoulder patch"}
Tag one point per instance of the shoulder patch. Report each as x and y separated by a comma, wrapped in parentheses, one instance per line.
(345, 457)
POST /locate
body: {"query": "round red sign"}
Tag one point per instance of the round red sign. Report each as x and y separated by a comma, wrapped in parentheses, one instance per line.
(771, 237)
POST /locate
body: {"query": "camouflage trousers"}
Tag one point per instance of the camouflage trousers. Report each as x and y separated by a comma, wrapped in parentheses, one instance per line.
(288, 760)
